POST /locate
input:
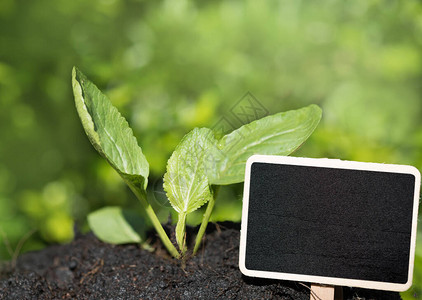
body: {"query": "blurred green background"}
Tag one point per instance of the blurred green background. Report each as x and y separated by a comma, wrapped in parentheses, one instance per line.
(172, 65)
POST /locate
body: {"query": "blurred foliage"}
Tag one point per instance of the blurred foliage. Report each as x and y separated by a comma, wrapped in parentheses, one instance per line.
(172, 65)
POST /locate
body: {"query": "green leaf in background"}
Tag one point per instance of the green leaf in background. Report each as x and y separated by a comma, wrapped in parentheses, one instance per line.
(278, 134)
(109, 132)
(185, 181)
(116, 226)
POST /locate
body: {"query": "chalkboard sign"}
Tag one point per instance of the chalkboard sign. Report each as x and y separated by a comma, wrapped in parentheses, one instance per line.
(329, 221)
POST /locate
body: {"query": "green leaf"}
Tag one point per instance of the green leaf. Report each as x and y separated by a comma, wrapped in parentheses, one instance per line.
(109, 132)
(185, 181)
(116, 226)
(278, 134)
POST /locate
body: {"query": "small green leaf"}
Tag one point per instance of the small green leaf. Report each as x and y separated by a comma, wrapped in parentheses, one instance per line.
(109, 132)
(185, 181)
(116, 226)
(278, 134)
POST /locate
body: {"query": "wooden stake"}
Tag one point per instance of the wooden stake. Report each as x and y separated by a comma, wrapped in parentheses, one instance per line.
(325, 292)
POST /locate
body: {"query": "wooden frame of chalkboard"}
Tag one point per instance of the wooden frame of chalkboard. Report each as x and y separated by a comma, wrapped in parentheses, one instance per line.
(329, 221)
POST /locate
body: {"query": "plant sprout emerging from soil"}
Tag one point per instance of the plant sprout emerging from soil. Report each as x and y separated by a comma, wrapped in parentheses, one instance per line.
(198, 166)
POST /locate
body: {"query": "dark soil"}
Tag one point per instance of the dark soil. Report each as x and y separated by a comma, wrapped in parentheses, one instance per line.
(90, 269)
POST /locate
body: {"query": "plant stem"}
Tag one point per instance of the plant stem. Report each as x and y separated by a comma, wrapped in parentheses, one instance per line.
(206, 218)
(141, 195)
(180, 232)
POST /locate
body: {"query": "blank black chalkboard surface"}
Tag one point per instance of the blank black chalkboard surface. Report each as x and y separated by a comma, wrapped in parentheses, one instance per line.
(329, 221)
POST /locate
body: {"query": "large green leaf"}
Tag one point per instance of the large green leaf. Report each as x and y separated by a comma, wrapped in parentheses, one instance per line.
(278, 134)
(116, 226)
(186, 181)
(109, 132)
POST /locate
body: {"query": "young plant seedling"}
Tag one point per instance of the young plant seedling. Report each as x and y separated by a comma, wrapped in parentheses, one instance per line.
(195, 170)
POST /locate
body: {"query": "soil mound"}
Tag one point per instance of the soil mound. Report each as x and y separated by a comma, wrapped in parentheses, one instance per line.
(90, 269)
